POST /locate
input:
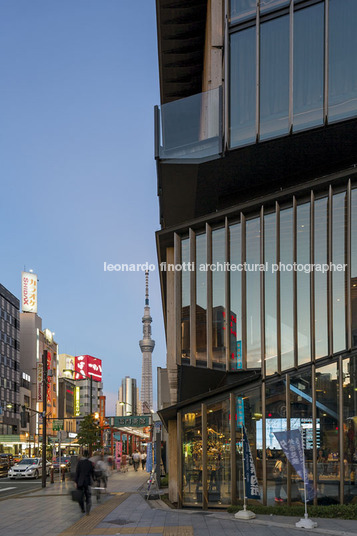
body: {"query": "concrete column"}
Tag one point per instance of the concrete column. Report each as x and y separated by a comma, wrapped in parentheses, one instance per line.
(172, 462)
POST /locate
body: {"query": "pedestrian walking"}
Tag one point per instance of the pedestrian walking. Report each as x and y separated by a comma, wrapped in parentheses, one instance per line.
(136, 460)
(143, 460)
(84, 478)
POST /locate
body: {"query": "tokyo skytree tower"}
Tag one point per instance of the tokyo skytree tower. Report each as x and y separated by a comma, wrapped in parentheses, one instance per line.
(146, 346)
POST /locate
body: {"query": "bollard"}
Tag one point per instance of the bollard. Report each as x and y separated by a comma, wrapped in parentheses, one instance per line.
(52, 475)
(63, 469)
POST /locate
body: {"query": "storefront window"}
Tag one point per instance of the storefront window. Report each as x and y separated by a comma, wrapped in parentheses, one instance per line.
(271, 346)
(219, 321)
(276, 461)
(286, 289)
(328, 452)
(308, 67)
(235, 326)
(301, 418)
(320, 257)
(253, 294)
(354, 267)
(274, 78)
(218, 453)
(192, 457)
(201, 300)
(185, 303)
(338, 277)
(243, 88)
(350, 428)
(303, 283)
(342, 59)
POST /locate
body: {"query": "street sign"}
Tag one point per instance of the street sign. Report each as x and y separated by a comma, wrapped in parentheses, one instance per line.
(133, 420)
(57, 424)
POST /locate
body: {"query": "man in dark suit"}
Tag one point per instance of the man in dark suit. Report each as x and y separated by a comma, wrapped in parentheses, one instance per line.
(83, 479)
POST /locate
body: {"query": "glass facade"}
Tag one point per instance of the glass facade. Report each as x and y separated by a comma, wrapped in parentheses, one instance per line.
(298, 44)
(287, 283)
(288, 406)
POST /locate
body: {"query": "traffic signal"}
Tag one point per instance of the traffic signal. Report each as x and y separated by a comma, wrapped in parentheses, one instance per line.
(24, 416)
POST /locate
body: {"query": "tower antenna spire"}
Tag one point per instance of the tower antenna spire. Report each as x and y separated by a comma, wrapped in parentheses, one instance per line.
(147, 345)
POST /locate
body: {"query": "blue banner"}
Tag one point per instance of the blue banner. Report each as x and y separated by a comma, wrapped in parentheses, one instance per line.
(149, 457)
(252, 490)
(291, 443)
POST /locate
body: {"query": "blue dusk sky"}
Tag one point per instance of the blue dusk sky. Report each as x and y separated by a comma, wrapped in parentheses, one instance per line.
(78, 83)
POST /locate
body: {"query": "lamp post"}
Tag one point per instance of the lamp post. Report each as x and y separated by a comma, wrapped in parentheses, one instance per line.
(44, 421)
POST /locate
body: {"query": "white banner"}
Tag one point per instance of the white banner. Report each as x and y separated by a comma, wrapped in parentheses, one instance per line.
(39, 382)
(29, 292)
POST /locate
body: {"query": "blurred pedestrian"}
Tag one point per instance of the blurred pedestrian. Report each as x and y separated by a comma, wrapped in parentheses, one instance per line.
(143, 460)
(84, 478)
(136, 460)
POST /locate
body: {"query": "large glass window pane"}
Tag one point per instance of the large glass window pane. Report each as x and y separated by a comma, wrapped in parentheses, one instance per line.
(350, 428)
(274, 78)
(327, 440)
(354, 267)
(192, 457)
(338, 277)
(185, 301)
(201, 299)
(308, 67)
(243, 87)
(286, 289)
(303, 283)
(236, 298)
(301, 418)
(242, 9)
(253, 293)
(218, 453)
(320, 258)
(218, 297)
(275, 422)
(271, 347)
(268, 5)
(342, 59)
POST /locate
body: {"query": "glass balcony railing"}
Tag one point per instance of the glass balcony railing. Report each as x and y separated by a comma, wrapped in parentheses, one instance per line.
(191, 128)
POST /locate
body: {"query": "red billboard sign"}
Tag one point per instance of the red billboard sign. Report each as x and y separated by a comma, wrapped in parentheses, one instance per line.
(86, 366)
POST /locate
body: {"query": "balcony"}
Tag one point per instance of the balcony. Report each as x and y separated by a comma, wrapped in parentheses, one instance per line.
(190, 129)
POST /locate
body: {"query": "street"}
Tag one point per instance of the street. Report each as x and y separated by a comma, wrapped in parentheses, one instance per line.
(13, 487)
(124, 510)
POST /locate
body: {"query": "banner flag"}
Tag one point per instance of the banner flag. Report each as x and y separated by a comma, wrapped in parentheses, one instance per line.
(252, 490)
(291, 443)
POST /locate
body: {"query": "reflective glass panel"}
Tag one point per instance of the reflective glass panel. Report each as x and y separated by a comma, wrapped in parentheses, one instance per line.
(243, 87)
(338, 277)
(286, 289)
(328, 477)
(271, 347)
(201, 299)
(192, 457)
(236, 298)
(242, 9)
(320, 258)
(274, 78)
(350, 428)
(301, 418)
(268, 5)
(303, 283)
(185, 301)
(275, 421)
(253, 293)
(219, 323)
(218, 453)
(342, 59)
(308, 67)
(354, 267)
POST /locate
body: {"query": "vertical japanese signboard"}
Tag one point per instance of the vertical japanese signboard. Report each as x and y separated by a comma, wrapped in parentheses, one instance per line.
(39, 382)
(29, 292)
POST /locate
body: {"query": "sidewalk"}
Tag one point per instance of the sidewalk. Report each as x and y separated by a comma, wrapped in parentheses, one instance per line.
(125, 511)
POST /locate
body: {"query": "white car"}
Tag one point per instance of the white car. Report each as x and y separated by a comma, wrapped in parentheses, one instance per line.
(28, 468)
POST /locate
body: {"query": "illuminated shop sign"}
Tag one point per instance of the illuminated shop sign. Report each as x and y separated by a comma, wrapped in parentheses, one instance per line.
(29, 292)
(87, 366)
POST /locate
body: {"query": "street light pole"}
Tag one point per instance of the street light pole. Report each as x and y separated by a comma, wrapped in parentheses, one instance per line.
(44, 422)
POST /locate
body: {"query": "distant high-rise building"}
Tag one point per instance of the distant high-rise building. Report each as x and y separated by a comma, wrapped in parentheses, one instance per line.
(128, 398)
(146, 346)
